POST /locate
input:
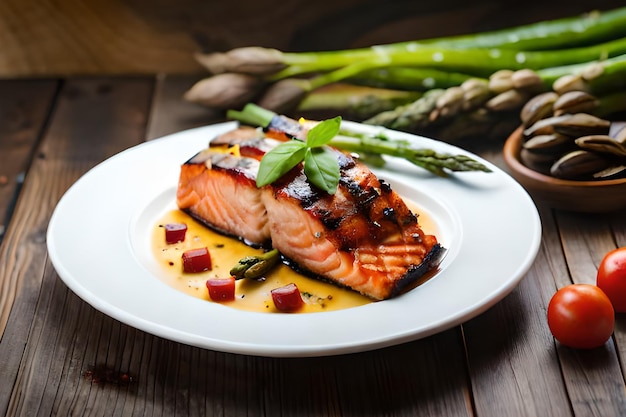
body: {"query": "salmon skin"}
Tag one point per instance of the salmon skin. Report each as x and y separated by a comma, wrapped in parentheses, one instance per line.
(363, 237)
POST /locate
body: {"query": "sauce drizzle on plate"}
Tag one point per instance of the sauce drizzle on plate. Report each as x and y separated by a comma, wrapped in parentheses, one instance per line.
(250, 295)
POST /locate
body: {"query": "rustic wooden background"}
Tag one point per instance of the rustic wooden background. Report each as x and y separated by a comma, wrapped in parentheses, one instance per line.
(55, 124)
(44, 38)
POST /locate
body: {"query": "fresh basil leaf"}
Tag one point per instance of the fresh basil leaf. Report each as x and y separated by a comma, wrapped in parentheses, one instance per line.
(322, 168)
(323, 132)
(279, 161)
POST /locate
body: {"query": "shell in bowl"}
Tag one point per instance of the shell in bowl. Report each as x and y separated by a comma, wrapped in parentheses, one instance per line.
(599, 196)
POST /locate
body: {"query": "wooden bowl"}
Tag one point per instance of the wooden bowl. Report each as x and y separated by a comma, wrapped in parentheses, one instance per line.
(579, 196)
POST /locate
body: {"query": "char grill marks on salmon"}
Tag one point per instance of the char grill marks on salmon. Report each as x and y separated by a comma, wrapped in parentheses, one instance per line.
(363, 237)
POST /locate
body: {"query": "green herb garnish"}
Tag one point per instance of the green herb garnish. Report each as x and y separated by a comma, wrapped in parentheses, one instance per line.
(321, 166)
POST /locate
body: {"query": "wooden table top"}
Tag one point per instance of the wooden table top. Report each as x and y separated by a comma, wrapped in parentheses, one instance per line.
(60, 356)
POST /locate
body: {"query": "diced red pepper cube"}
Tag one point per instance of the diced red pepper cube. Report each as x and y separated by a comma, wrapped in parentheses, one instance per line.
(221, 289)
(251, 152)
(197, 260)
(287, 298)
(175, 232)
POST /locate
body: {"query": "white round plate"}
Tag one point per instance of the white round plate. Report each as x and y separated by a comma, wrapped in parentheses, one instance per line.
(98, 241)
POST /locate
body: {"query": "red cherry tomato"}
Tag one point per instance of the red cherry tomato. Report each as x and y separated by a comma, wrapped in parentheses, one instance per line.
(581, 316)
(287, 298)
(221, 289)
(612, 278)
(197, 260)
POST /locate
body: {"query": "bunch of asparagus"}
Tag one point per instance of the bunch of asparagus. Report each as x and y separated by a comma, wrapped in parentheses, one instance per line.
(490, 108)
(370, 147)
(449, 88)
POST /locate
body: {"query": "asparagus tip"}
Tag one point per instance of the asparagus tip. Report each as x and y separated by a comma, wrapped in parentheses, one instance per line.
(224, 91)
(285, 95)
(253, 60)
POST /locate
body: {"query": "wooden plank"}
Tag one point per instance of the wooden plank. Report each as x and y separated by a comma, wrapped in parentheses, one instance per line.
(93, 119)
(70, 37)
(171, 113)
(594, 379)
(618, 225)
(587, 238)
(24, 108)
(427, 377)
(424, 378)
(510, 349)
(619, 228)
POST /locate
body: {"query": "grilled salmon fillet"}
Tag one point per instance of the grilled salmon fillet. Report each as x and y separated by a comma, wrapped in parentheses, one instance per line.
(363, 237)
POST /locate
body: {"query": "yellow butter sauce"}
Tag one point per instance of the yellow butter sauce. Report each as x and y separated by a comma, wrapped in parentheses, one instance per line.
(250, 295)
(225, 252)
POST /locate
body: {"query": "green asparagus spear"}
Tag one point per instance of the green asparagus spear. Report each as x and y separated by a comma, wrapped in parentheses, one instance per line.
(428, 67)
(353, 101)
(475, 62)
(437, 163)
(589, 28)
(287, 92)
(252, 115)
(613, 75)
(255, 267)
(409, 78)
(409, 117)
(598, 78)
(611, 104)
(434, 162)
(555, 34)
